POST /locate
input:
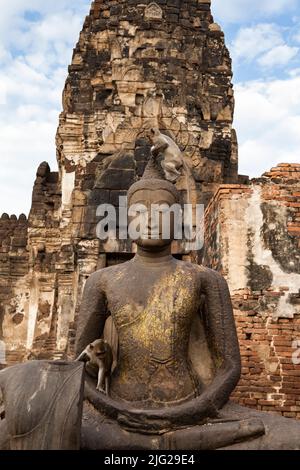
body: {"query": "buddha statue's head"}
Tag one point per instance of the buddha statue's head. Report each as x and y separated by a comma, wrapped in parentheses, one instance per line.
(151, 192)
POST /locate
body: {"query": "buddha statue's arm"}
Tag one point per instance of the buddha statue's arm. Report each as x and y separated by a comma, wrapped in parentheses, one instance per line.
(222, 338)
(93, 313)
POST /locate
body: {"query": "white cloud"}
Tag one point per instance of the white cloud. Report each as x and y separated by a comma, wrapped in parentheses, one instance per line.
(294, 72)
(278, 56)
(245, 10)
(12, 14)
(264, 43)
(24, 145)
(296, 37)
(4, 54)
(3, 93)
(268, 123)
(34, 56)
(250, 42)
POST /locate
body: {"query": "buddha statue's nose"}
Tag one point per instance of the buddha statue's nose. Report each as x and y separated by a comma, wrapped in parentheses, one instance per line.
(153, 226)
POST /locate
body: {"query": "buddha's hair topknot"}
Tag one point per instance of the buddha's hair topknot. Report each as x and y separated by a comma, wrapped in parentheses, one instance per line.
(153, 179)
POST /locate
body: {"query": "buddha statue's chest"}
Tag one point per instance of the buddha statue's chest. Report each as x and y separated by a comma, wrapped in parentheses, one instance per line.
(157, 319)
(153, 327)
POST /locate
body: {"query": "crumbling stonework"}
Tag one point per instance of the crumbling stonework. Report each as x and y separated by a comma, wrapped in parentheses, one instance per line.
(137, 65)
(14, 265)
(29, 249)
(253, 238)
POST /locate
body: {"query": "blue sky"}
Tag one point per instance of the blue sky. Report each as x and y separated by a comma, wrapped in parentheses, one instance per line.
(36, 43)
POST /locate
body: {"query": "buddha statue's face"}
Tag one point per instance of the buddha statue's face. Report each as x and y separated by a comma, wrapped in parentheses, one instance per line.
(149, 199)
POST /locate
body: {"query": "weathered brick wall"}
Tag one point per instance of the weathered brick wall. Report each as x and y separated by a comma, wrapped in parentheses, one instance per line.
(270, 380)
(29, 251)
(253, 238)
(14, 266)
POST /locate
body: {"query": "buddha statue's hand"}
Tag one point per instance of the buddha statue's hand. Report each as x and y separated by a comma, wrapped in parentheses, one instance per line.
(196, 411)
(143, 420)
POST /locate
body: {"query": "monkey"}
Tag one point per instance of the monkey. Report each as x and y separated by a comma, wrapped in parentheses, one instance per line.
(2, 409)
(2, 412)
(173, 164)
(173, 159)
(99, 358)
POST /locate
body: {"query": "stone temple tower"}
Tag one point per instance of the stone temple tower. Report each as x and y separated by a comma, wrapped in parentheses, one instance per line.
(137, 64)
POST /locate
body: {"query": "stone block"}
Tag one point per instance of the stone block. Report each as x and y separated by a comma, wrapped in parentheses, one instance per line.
(116, 179)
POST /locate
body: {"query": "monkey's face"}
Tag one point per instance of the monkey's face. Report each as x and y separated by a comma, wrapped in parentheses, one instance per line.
(98, 348)
(152, 134)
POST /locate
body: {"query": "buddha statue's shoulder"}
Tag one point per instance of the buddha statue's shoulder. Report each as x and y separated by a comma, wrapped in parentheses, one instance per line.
(111, 272)
(199, 270)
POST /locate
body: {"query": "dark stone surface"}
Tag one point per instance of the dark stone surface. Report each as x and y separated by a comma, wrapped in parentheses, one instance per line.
(115, 179)
(260, 277)
(284, 247)
(124, 162)
(98, 196)
(42, 418)
(2, 312)
(115, 195)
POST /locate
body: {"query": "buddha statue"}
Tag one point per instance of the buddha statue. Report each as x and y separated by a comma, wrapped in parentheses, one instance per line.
(178, 354)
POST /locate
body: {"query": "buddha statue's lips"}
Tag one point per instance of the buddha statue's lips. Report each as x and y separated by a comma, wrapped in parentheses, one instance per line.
(150, 235)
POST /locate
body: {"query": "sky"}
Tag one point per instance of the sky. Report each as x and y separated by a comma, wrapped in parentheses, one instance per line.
(36, 42)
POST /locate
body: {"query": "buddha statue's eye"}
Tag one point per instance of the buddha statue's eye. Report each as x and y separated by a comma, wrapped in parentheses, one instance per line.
(138, 208)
